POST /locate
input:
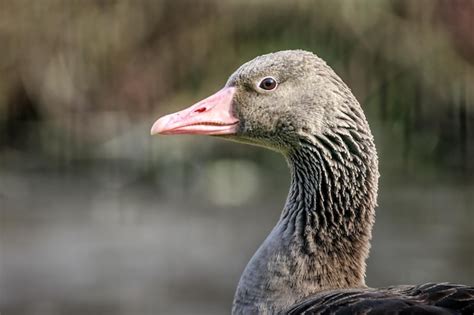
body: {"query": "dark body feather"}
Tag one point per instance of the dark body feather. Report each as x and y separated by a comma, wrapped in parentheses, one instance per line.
(430, 298)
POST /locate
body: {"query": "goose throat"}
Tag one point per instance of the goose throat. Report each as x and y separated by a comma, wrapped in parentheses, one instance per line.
(332, 192)
(322, 238)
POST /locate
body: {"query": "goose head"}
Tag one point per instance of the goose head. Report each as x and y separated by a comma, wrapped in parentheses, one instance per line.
(275, 100)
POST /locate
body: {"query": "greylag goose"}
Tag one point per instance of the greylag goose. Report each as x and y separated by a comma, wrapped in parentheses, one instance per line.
(313, 261)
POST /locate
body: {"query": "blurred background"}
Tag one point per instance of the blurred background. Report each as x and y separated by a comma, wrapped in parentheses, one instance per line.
(97, 217)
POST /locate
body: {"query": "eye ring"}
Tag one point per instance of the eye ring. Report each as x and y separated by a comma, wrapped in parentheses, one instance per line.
(268, 84)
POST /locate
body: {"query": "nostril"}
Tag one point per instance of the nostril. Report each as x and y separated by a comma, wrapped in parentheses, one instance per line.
(200, 110)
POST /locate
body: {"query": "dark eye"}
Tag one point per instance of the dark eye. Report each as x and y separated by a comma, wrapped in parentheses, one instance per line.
(268, 84)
